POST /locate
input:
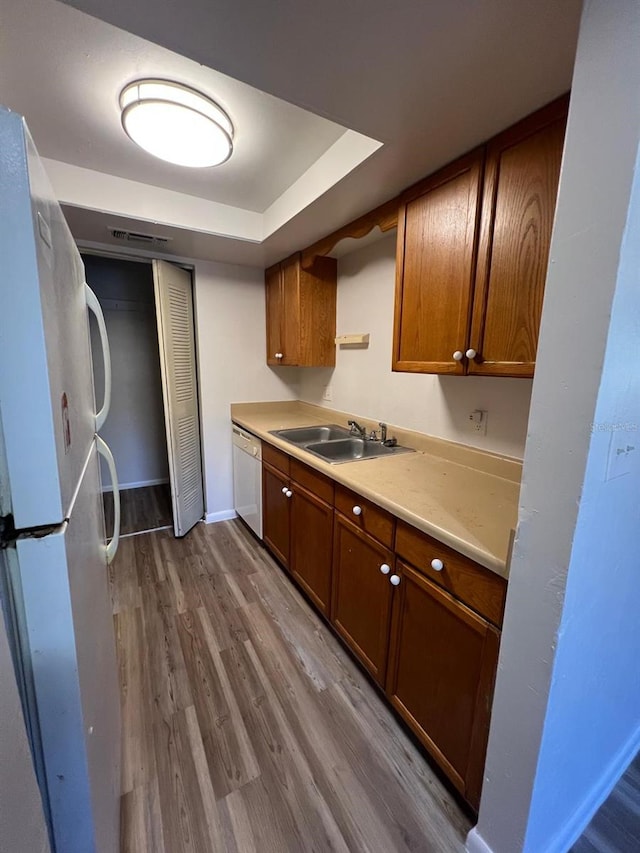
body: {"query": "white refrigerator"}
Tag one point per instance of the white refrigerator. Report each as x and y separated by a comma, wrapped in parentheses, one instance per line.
(53, 552)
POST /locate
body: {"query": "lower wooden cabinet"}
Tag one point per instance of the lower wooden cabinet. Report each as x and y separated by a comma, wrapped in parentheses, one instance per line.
(311, 545)
(276, 524)
(433, 654)
(442, 666)
(361, 600)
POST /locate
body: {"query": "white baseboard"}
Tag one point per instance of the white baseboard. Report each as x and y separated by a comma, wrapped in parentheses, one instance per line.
(225, 515)
(571, 832)
(475, 843)
(581, 818)
(140, 484)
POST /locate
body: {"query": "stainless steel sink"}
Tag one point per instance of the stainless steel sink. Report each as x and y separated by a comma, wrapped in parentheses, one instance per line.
(312, 434)
(351, 449)
(336, 444)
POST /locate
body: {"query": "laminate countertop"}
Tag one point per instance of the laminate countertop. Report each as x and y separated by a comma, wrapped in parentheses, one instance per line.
(464, 497)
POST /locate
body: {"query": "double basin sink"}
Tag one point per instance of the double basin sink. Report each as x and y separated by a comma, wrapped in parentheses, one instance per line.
(335, 444)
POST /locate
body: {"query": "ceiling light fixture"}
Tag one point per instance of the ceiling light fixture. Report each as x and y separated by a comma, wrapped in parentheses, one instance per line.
(176, 123)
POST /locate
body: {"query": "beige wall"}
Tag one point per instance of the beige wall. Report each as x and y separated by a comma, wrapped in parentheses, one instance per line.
(231, 345)
(363, 383)
(230, 321)
(22, 827)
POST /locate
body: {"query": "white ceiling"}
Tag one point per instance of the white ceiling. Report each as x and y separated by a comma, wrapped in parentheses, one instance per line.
(429, 79)
(64, 71)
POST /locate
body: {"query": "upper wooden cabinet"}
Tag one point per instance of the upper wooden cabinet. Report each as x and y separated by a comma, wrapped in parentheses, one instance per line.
(520, 188)
(472, 253)
(301, 313)
(435, 268)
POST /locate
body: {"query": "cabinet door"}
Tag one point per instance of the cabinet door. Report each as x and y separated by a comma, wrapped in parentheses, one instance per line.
(274, 309)
(361, 599)
(441, 671)
(435, 268)
(311, 545)
(290, 328)
(275, 513)
(521, 184)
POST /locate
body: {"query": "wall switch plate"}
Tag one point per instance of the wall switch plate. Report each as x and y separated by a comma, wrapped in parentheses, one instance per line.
(622, 450)
(478, 422)
(326, 394)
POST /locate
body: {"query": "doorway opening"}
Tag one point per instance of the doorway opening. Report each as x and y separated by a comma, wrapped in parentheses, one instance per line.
(153, 425)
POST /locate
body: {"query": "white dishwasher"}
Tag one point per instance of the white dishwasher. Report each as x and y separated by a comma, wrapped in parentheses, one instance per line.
(247, 478)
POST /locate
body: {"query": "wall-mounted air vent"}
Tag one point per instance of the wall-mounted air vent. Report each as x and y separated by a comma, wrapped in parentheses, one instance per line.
(139, 237)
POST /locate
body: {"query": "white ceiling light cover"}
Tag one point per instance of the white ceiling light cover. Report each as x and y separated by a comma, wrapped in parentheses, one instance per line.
(176, 123)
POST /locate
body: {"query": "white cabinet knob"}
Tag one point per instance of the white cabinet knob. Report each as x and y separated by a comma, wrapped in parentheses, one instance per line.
(357, 510)
(278, 355)
(395, 579)
(385, 568)
(437, 565)
(288, 493)
(285, 489)
(471, 353)
(458, 355)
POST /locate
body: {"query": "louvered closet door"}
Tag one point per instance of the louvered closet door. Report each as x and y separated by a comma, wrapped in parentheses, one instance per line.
(174, 310)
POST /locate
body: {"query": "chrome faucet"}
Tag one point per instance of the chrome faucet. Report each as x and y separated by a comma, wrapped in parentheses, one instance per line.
(388, 442)
(356, 429)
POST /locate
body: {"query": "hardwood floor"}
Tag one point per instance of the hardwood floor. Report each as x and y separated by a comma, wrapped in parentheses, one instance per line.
(146, 508)
(247, 727)
(616, 825)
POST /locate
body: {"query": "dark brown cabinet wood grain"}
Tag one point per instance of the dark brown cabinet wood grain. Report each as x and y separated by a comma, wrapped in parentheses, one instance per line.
(435, 268)
(312, 545)
(276, 524)
(298, 522)
(441, 672)
(472, 254)
(361, 600)
(520, 188)
(301, 313)
(427, 639)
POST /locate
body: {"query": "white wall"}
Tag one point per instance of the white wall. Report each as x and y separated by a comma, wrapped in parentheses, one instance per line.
(231, 343)
(363, 383)
(135, 429)
(22, 826)
(566, 717)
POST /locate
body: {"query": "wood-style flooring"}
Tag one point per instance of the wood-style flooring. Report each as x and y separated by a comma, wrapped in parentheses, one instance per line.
(247, 726)
(146, 508)
(616, 825)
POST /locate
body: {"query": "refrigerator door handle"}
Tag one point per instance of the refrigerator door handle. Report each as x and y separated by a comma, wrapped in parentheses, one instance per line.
(104, 451)
(94, 305)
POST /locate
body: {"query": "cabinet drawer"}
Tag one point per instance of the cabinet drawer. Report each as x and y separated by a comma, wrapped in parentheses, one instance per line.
(373, 520)
(276, 458)
(479, 588)
(316, 483)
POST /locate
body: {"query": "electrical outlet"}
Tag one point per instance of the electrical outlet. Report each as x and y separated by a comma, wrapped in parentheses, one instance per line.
(326, 394)
(478, 422)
